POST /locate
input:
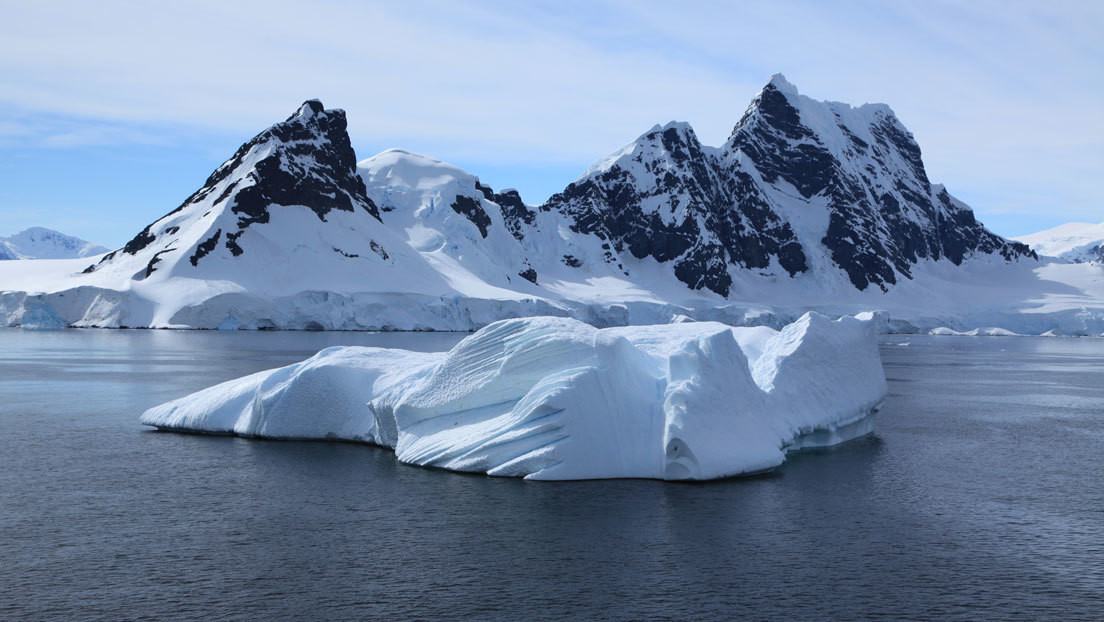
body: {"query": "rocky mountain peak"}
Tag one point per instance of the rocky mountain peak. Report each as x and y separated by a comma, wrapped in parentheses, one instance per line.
(781, 84)
(668, 197)
(307, 160)
(802, 189)
(883, 216)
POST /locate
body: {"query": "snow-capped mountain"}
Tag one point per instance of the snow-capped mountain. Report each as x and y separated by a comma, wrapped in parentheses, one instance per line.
(799, 186)
(462, 227)
(286, 213)
(42, 243)
(808, 205)
(1076, 242)
(483, 241)
(667, 197)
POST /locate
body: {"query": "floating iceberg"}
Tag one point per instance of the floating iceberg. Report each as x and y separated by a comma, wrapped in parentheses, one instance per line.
(557, 399)
(985, 331)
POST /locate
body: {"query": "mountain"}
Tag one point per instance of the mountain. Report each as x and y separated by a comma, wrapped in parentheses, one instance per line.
(667, 197)
(807, 206)
(1075, 242)
(462, 227)
(799, 186)
(41, 243)
(286, 208)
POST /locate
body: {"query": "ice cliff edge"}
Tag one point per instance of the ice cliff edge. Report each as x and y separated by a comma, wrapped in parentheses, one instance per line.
(557, 399)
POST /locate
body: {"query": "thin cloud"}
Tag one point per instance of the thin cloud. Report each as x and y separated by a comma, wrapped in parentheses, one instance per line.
(996, 92)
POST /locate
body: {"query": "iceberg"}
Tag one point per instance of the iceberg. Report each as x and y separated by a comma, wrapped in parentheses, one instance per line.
(551, 398)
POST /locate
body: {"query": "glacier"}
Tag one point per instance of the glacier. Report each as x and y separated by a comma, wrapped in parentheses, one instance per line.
(551, 398)
(1073, 242)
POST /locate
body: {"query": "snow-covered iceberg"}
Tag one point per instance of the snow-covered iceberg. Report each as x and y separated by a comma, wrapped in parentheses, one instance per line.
(557, 399)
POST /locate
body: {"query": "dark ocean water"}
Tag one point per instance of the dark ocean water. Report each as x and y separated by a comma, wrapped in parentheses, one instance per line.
(980, 496)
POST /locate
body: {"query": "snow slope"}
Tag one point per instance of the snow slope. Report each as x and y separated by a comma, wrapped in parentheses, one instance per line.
(557, 399)
(802, 188)
(41, 243)
(808, 206)
(1076, 242)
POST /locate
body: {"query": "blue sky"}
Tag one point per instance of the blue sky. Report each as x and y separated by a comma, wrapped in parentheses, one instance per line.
(116, 111)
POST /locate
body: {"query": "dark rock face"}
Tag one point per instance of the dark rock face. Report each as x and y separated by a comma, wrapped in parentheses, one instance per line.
(529, 274)
(473, 210)
(154, 261)
(106, 258)
(204, 248)
(379, 250)
(515, 212)
(517, 217)
(306, 160)
(140, 241)
(311, 163)
(960, 233)
(883, 218)
(673, 201)
(232, 244)
(709, 211)
(772, 135)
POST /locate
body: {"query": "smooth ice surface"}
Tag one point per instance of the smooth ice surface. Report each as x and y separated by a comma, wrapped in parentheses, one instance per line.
(557, 399)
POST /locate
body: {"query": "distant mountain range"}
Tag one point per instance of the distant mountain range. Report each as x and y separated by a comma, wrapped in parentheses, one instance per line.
(41, 243)
(1076, 242)
(808, 204)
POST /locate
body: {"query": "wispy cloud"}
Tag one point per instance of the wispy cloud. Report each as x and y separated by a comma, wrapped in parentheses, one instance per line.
(28, 129)
(996, 92)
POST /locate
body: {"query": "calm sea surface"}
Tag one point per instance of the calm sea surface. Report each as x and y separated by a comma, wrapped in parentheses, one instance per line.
(981, 496)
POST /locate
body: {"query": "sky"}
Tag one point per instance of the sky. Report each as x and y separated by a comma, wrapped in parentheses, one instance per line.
(116, 111)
